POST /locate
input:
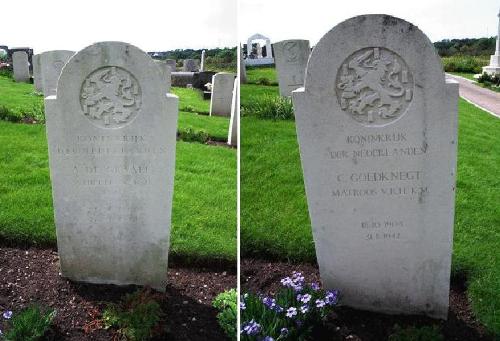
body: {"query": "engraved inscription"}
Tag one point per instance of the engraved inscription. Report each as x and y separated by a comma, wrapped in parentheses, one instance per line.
(110, 97)
(374, 86)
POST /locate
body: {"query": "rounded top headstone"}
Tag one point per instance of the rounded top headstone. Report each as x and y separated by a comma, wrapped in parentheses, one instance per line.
(370, 66)
(110, 81)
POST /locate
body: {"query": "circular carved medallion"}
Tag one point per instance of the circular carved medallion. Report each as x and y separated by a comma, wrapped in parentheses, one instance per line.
(374, 86)
(110, 97)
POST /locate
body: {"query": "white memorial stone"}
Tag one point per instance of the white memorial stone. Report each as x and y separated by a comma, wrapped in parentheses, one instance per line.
(37, 73)
(52, 63)
(166, 73)
(172, 64)
(290, 57)
(189, 65)
(202, 65)
(494, 67)
(21, 67)
(259, 60)
(222, 93)
(111, 134)
(377, 129)
(232, 138)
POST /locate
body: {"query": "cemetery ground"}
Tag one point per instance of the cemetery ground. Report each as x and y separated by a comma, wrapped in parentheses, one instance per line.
(203, 238)
(276, 236)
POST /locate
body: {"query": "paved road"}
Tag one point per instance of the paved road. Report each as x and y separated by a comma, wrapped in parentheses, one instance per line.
(486, 99)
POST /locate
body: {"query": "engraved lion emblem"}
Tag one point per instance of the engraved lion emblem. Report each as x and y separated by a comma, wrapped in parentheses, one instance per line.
(110, 97)
(374, 86)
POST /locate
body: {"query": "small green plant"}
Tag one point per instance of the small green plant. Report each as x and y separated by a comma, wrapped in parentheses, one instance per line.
(5, 72)
(189, 108)
(30, 324)
(488, 79)
(425, 333)
(271, 107)
(226, 304)
(263, 81)
(191, 135)
(292, 314)
(136, 318)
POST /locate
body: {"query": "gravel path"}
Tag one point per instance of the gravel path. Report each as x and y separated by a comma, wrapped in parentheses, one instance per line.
(485, 99)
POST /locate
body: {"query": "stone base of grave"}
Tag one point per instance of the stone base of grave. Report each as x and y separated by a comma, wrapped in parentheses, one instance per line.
(259, 61)
(492, 70)
(207, 94)
(494, 67)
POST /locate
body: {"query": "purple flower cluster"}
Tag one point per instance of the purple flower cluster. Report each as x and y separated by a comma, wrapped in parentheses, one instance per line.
(296, 282)
(271, 304)
(332, 297)
(251, 328)
(6, 315)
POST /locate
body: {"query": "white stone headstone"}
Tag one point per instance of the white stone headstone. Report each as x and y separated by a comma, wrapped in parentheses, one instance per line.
(494, 66)
(166, 73)
(202, 65)
(52, 63)
(222, 94)
(377, 129)
(37, 73)
(21, 66)
(232, 138)
(189, 65)
(111, 134)
(290, 57)
(172, 64)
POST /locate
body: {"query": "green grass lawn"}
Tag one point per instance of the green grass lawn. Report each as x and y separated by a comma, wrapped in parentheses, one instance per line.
(254, 74)
(275, 221)
(469, 76)
(204, 207)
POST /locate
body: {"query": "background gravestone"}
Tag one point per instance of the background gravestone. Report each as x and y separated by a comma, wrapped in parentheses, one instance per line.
(290, 57)
(172, 64)
(232, 138)
(377, 129)
(111, 135)
(242, 68)
(52, 63)
(37, 73)
(21, 66)
(189, 65)
(166, 73)
(222, 94)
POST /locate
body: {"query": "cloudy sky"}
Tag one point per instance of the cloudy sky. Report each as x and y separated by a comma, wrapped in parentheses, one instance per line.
(152, 25)
(311, 19)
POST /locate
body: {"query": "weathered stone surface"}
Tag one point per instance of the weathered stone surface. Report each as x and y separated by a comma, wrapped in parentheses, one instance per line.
(166, 74)
(52, 63)
(111, 134)
(21, 66)
(37, 73)
(232, 137)
(377, 128)
(222, 94)
(172, 64)
(189, 65)
(291, 57)
(182, 79)
(242, 68)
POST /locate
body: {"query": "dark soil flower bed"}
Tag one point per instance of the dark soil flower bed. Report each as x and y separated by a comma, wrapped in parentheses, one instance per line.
(260, 276)
(32, 275)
